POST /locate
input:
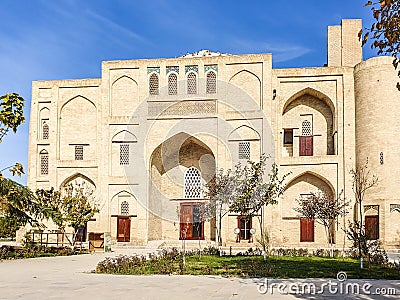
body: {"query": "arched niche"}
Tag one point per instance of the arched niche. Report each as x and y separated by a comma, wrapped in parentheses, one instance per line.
(317, 108)
(250, 83)
(124, 96)
(78, 126)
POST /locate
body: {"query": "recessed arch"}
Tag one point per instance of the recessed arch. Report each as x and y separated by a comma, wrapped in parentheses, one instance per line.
(245, 72)
(121, 193)
(124, 77)
(313, 179)
(167, 155)
(124, 136)
(76, 176)
(244, 133)
(312, 92)
(249, 83)
(74, 98)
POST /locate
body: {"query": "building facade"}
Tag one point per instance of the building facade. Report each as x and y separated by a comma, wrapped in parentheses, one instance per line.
(148, 134)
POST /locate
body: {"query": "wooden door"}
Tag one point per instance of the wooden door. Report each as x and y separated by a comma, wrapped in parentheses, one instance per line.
(306, 146)
(306, 230)
(372, 227)
(123, 229)
(186, 222)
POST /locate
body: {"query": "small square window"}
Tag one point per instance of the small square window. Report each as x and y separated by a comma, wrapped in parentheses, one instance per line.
(288, 136)
(79, 152)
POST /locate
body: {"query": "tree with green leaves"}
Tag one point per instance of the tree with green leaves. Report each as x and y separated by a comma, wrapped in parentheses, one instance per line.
(70, 207)
(254, 193)
(221, 192)
(11, 116)
(385, 31)
(324, 209)
(18, 207)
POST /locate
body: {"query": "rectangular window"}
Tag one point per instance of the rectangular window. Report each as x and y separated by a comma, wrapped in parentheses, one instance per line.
(244, 150)
(124, 154)
(306, 230)
(44, 164)
(78, 152)
(288, 136)
(244, 225)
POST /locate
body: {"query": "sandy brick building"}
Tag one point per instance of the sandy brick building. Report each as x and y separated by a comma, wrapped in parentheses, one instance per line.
(148, 134)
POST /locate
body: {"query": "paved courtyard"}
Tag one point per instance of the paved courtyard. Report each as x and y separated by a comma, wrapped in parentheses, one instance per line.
(70, 278)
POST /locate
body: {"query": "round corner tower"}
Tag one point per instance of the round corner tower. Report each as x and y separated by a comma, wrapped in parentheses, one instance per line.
(377, 125)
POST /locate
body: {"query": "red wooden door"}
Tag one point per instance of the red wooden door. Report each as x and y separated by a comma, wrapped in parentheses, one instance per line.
(372, 227)
(306, 146)
(186, 221)
(306, 230)
(123, 229)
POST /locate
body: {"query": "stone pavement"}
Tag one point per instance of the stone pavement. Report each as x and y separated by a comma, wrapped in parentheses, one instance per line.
(69, 278)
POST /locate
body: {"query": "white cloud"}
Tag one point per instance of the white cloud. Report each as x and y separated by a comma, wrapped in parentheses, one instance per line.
(281, 52)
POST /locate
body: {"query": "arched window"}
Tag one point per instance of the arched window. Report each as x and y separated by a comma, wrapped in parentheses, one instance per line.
(44, 162)
(124, 208)
(192, 183)
(153, 84)
(45, 131)
(211, 84)
(172, 84)
(306, 128)
(192, 83)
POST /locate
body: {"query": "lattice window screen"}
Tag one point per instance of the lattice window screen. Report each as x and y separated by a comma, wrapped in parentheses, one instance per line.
(192, 183)
(306, 128)
(211, 84)
(124, 208)
(172, 84)
(192, 83)
(124, 154)
(153, 84)
(44, 164)
(45, 131)
(79, 152)
(381, 158)
(244, 150)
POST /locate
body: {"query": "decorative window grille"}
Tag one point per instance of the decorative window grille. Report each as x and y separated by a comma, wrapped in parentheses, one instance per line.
(192, 83)
(79, 152)
(211, 84)
(44, 162)
(306, 128)
(45, 131)
(244, 150)
(124, 154)
(172, 84)
(192, 183)
(153, 84)
(124, 208)
(381, 158)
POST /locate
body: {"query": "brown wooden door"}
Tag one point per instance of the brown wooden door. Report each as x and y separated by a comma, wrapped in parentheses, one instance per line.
(306, 146)
(372, 227)
(306, 230)
(186, 221)
(191, 222)
(123, 229)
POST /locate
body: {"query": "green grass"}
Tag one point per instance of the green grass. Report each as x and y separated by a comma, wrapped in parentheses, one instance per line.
(252, 266)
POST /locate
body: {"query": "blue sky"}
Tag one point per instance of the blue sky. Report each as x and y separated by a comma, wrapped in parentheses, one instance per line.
(66, 39)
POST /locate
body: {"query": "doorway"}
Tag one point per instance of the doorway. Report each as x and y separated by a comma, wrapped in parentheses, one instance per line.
(191, 222)
(123, 228)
